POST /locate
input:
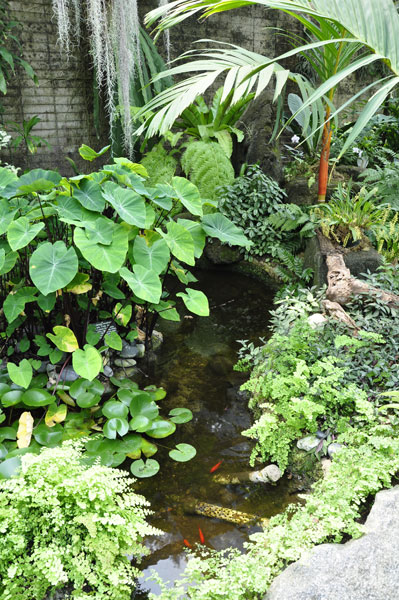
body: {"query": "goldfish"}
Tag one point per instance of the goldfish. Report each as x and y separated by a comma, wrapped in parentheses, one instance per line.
(215, 467)
(187, 543)
(201, 536)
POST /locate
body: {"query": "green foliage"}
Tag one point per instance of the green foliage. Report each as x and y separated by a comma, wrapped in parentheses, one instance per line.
(25, 136)
(385, 177)
(208, 167)
(346, 219)
(160, 164)
(65, 523)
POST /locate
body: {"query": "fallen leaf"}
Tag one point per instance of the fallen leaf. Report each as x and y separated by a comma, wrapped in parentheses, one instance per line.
(25, 428)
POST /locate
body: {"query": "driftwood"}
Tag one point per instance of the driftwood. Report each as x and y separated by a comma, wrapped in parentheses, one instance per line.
(335, 310)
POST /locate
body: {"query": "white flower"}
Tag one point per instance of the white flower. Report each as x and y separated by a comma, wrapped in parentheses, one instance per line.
(357, 151)
(295, 139)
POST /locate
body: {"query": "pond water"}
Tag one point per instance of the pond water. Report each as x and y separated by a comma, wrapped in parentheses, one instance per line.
(195, 366)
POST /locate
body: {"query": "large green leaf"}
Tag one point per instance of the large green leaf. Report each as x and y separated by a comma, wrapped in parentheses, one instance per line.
(154, 258)
(197, 234)
(38, 180)
(48, 436)
(21, 232)
(52, 266)
(144, 283)
(9, 262)
(88, 153)
(6, 215)
(6, 177)
(36, 397)
(87, 362)
(101, 230)
(188, 195)
(72, 212)
(64, 338)
(109, 257)
(195, 301)
(14, 304)
(218, 226)
(180, 242)
(89, 195)
(129, 205)
(9, 467)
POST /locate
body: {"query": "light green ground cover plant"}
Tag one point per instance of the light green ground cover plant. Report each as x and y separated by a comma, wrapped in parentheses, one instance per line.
(66, 524)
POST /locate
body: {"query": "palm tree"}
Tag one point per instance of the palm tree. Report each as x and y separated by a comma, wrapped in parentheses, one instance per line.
(340, 28)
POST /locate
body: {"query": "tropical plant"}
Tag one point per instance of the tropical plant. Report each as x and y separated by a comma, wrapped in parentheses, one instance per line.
(347, 218)
(25, 135)
(338, 25)
(385, 177)
(69, 525)
(10, 48)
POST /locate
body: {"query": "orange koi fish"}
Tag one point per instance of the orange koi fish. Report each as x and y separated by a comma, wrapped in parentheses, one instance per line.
(215, 467)
(187, 543)
(201, 536)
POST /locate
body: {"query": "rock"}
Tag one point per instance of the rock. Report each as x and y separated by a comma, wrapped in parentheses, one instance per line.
(222, 254)
(125, 362)
(308, 443)
(68, 374)
(325, 466)
(156, 340)
(333, 449)
(128, 350)
(140, 350)
(107, 371)
(271, 473)
(362, 569)
(317, 320)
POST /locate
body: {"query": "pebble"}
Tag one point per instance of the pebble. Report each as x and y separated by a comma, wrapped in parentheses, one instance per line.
(334, 448)
(308, 443)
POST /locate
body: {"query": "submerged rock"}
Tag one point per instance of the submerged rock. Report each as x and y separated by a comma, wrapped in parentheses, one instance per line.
(362, 569)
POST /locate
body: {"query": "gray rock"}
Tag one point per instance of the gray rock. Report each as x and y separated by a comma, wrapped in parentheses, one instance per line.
(108, 372)
(128, 350)
(68, 375)
(333, 449)
(140, 350)
(317, 320)
(222, 254)
(125, 362)
(362, 569)
(271, 473)
(308, 443)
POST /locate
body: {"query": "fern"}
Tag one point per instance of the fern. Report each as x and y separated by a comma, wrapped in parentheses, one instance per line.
(386, 178)
(160, 164)
(208, 167)
(288, 266)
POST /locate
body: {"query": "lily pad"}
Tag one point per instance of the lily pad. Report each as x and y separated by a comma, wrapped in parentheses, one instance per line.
(183, 452)
(142, 469)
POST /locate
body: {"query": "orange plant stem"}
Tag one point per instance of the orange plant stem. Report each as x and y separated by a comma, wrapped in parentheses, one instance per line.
(324, 156)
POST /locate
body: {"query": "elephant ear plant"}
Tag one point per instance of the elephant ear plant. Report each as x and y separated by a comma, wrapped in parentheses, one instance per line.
(73, 251)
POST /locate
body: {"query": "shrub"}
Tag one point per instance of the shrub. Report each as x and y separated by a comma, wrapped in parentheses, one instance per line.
(66, 524)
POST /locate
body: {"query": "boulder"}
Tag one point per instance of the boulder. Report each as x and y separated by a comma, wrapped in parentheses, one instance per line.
(362, 569)
(308, 443)
(222, 254)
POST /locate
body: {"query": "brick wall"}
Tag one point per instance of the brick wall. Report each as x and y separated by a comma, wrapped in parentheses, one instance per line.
(63, 99)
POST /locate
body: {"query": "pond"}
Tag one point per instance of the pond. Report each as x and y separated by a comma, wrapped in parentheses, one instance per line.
(195, 366)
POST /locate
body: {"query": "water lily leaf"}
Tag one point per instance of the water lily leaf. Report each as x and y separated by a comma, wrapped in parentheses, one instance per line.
(195, 301)
(55, 414)
(25, 428)
(148, 448)
(37, 397)
(21, 232)
(142, 404)
(140, 423)
(155, 392)
(161, 428)
(79, 284)
(64, 338)
(87, 362)
(188, 195)
(113, 408)
(9, 467)
(122, 314)
(129, 205)
(218, 226)
(142, 469)
(88, 153)
(21, 374)
(49, 437)
(153, 258)
(113, 340)
(144, 283)
(114, 426)
(7, 433)
(53, 266)
(81, 386)
(180, 242)
(87, 400)
(180, 415)
(109, 257)
(89, 195)
(183, 452)
(11, 398)
(131, 445)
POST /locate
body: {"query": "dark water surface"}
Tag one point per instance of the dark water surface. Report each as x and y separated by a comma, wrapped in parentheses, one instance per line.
(195, 366)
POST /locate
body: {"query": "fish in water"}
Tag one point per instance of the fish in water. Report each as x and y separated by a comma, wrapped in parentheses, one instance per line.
(187, 543)
(201, 536)
(215, 467)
